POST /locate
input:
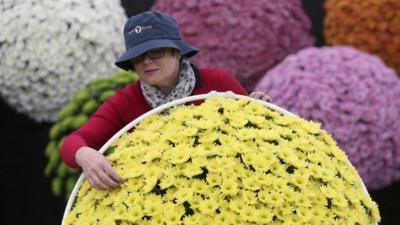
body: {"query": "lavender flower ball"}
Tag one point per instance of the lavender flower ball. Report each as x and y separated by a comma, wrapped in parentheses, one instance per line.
(244, 38)
(50, 49)
(355, 97)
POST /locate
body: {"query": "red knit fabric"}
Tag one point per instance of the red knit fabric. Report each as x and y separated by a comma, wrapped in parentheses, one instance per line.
(128, 104)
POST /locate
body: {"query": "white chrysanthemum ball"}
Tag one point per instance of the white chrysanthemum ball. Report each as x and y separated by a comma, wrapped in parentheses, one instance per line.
(50, 49)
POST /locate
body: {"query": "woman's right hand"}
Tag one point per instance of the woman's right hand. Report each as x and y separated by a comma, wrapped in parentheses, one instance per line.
(97, 169)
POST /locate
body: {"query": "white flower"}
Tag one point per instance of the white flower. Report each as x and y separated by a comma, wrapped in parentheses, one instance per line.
(53, 49)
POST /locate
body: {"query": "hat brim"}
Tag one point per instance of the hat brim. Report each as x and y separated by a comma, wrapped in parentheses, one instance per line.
(124, 63)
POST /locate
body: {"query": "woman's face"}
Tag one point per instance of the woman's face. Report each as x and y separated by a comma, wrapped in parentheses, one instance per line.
(158, 67)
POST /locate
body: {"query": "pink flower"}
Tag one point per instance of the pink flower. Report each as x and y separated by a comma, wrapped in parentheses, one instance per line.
(245, 39)
(355, 97)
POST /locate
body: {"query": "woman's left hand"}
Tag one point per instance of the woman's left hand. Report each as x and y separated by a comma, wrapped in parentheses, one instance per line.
(261, 96)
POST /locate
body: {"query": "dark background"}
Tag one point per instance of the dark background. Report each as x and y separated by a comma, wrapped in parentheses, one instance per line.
(25, 193)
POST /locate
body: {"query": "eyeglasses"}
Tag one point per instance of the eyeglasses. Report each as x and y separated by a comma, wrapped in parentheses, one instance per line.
(156, 53)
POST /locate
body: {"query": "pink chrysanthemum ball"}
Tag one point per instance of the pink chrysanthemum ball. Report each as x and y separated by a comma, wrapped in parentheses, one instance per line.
(244, 38)
(354, 95)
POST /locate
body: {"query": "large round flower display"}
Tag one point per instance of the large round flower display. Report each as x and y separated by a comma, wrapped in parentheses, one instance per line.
(355, 97)
(227, 161)
(50, 49)
(370, 25)
(245, 39)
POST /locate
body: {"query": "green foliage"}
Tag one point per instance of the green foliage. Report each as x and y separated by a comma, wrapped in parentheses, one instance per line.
(72, 116)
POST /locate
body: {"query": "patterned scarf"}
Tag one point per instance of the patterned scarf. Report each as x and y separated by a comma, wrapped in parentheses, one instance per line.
(182, 89)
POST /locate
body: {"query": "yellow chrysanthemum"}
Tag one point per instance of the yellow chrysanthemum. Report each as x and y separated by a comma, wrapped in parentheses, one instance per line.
(273, 198)
(229, 187)
(236, 120)
(251, 183)
(191, 220)
(152, 154)
(183, 194)
(208, 207)
(249, 214)
(173, 137)
(237, 205)
(206, 220)
(214, 179)
(150, 184)
(192, 170)
(246, 134)
(199, 187)
(134, 214)
(152, 205)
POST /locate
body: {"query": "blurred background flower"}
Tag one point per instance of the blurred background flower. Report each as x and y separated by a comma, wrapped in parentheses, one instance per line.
(245, 39)
(50, 49)
(370, 25)
(356, 98)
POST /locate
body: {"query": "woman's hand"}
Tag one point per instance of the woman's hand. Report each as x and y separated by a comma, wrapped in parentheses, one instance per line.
(97, 169)
(261, 96)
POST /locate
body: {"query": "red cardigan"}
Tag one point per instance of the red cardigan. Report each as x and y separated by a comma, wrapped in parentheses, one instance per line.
(128, 104)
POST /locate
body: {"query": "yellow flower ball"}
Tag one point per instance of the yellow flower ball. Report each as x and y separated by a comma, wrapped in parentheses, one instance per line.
(227, 162)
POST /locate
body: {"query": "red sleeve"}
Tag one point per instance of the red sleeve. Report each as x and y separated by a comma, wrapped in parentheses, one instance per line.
(104, 123)
(218, 80)
(228, 82)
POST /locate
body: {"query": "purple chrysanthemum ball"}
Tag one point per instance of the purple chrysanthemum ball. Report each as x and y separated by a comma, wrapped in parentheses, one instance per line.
(244, 38)
(354, 96)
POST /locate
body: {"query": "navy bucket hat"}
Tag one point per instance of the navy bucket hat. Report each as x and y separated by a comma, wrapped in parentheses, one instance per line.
(150, 30)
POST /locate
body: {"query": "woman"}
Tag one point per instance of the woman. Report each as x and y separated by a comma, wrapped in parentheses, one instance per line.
(156, 51)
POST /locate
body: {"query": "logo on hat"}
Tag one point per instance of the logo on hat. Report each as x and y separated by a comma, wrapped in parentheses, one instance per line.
(139, 29)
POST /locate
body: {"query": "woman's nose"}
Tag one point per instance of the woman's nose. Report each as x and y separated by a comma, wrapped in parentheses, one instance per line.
(146, 59)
